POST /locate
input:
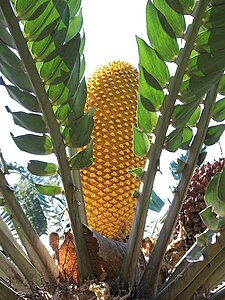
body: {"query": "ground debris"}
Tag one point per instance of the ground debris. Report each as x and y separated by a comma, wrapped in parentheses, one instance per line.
(113, 289)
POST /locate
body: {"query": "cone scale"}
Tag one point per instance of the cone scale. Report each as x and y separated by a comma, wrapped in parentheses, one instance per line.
(107, 186)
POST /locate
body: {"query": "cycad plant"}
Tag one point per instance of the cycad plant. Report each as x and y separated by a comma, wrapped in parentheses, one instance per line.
(42, 64)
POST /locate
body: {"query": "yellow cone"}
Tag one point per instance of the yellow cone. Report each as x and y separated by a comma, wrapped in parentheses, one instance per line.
(107, 186)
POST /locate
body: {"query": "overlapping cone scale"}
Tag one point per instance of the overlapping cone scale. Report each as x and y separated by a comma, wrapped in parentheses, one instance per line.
(194, 202)
(107, 186)
(189, 224)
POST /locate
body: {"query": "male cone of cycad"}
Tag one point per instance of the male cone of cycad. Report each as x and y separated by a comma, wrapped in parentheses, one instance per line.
(107, 186)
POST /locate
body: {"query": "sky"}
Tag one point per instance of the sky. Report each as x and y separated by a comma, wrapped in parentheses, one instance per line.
(110, 29)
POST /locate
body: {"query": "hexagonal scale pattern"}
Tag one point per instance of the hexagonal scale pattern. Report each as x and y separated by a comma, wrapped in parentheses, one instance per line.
(107, 186)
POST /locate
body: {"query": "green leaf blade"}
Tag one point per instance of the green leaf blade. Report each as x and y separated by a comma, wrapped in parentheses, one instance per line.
(34, 144)
(141, 143)
(42, 49)
(152, 63)
(25, 99)
(78, 133)
(156, 204)
(62, 92)
(137, 172)
(183, 113)
(206, 63)
(213, 134)
(174, 19)
(211, 196)
(75, 26)
(210, 219)
(156, 24)
(219, 110)
(7, 38)
(31, 122)
(221, 87)
(210, 41)
(187, 136)
(146, 120)
(192, 122)
(221, 186)
(180, 166)
(25, 9)
(49, 190)
(151, 97)
(10, 58)
(16, 77)
(79, 100)
(194, 87)
(43, 24)
(214, 17)
(58, 69)
(82, 159)
(181, 6)
(174, 140)
(41, 168)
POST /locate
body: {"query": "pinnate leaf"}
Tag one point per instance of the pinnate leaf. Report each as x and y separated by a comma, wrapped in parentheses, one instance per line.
(74, 108)
(42, 49)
